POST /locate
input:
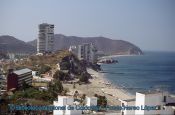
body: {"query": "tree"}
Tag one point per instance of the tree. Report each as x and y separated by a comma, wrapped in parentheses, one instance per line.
(55, 88)
(65, 65)
(101, 100)
(83, 97)
(59, 75)
(44, 69)
(84, 77)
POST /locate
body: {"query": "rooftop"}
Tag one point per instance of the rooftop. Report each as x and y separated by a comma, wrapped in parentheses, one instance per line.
(129, 100)
(22, 71)
(151, 92)
(170, 104)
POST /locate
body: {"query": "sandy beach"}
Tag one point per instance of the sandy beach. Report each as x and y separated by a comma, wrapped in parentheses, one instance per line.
(100, 85)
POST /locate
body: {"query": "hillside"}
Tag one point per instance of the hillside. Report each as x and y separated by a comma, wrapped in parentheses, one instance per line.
(11, 44)
(106, 45)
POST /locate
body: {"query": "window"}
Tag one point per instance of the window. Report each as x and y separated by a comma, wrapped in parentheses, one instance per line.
(123, 104)
(158, 107)
(122, 113)
(164, 99)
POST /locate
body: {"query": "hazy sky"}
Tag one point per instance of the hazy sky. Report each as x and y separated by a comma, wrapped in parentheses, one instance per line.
(149, 24)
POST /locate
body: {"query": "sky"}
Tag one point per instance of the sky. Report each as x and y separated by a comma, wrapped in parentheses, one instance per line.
(149, 24)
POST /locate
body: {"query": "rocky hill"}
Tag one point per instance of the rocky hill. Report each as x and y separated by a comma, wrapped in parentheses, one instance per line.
(11, 44)
(108, 46)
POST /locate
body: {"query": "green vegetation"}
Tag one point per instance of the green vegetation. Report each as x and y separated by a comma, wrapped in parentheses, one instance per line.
(60, 75)
(35, 62)
(101, 100)
(55, 88)
(31, 93)
(65, 65)
(44, 68)
(84, 77)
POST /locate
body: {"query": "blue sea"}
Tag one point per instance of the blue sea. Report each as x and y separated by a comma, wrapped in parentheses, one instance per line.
(153, 70)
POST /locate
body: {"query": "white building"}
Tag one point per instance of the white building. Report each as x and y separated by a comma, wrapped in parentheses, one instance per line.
(87, 52)
(73, 112)
(158, 103)
(73, 49)
(34, 73)
(66, 102)
(91, 101)
(58, 66)
(128, 102)
(45, 42)
(161, 100)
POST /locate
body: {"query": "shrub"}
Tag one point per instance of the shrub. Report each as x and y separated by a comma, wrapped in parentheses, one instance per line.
(44, 69)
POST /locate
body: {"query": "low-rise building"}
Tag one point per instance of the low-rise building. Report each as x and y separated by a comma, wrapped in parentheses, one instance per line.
(62, 101)
(68, 105)
(91, 101)
(150, 103)
(58, 66)
(154, 98)
(34, 73)
(73, 49)
(16, 78)
(128, 102)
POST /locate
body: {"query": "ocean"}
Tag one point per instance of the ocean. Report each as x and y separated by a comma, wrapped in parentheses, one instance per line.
(151, 71)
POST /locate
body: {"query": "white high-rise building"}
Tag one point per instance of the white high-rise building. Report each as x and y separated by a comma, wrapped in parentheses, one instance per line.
(45, 42)
(87, 52)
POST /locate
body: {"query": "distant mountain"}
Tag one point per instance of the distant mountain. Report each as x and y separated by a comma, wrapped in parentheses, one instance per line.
(13, 45)
(108, 46)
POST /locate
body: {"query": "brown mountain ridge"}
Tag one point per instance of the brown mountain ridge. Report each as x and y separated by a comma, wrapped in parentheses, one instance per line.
(108, 46)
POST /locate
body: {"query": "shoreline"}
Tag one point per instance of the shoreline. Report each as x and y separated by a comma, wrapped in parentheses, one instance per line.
(108, 83)
(101, 86)
(113, 56)
(111, 91)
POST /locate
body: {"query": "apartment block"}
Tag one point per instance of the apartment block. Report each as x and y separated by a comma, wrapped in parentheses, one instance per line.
(45, 41)
(15, 79)
(87, 52)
